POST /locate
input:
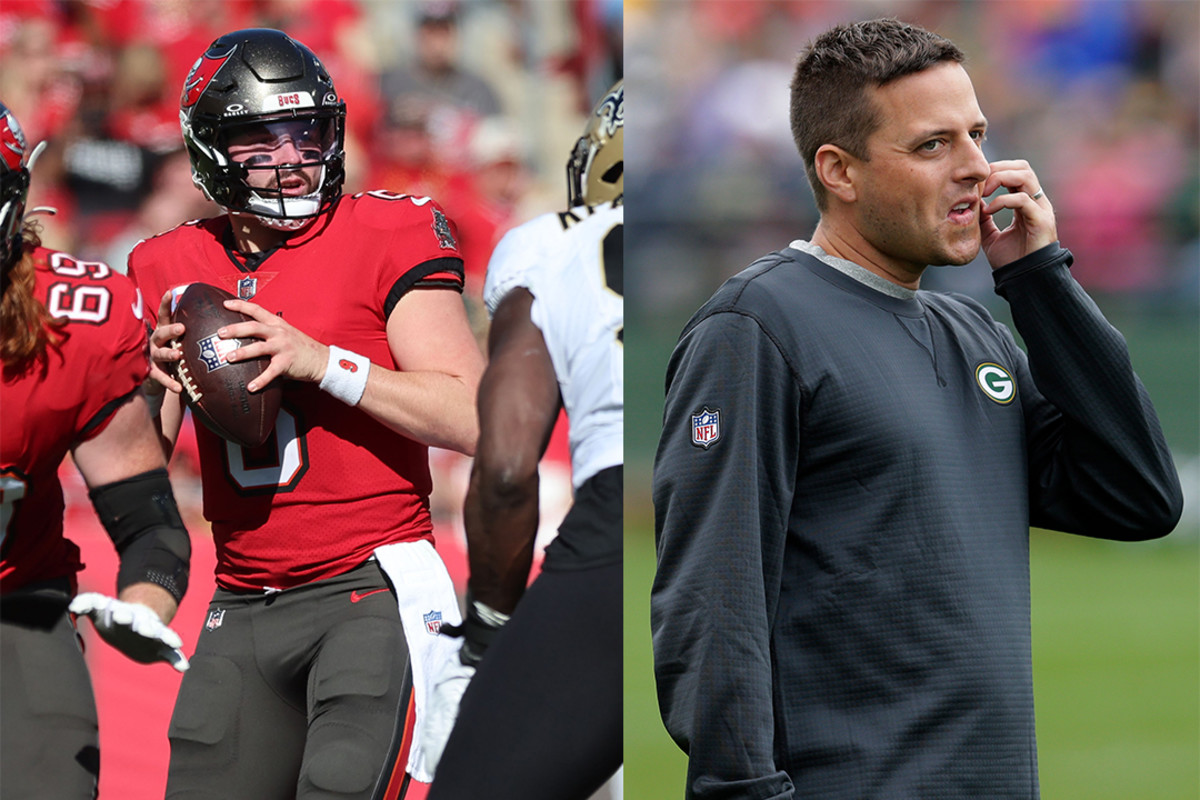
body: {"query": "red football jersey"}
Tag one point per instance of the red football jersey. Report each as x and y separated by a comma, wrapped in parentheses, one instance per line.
(332, 483)
(69, 398)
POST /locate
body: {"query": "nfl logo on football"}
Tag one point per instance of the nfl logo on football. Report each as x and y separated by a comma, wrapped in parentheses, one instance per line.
(706, 427)
(214, 351)
(433, 622)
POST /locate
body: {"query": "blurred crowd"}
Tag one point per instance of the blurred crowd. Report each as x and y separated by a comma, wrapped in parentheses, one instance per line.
(1102, 97)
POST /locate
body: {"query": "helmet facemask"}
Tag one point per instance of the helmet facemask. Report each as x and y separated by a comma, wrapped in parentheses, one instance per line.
(13, 191)
(281, 166)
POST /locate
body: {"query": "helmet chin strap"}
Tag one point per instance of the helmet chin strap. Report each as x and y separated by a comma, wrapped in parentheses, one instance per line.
(275, 223)
(285, 224)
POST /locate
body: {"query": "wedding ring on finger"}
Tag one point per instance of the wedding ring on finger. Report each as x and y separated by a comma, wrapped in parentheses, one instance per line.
(1038, 194)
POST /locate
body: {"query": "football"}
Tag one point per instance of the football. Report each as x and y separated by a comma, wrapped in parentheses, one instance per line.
(214, 389)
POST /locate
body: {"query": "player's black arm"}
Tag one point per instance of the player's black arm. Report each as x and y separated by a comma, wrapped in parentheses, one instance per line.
(518, 404)
(721, 522)
(1099, 463)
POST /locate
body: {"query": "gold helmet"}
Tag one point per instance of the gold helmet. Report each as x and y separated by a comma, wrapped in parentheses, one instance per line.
(596, 169)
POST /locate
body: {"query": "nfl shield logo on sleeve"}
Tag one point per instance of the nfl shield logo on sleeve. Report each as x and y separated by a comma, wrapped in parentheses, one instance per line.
(706, 427)
(433, 622)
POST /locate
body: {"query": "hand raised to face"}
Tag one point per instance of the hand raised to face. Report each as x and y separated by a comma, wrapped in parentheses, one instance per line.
(1033, 224)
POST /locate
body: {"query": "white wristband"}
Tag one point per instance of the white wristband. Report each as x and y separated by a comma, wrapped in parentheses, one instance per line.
(346, 375)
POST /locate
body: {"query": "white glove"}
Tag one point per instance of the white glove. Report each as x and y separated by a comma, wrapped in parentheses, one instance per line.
(132, 628)
(438, 720)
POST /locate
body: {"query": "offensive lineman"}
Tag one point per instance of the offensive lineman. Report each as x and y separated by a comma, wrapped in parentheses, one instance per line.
(74, 355)
(549, 687)
(322, 533)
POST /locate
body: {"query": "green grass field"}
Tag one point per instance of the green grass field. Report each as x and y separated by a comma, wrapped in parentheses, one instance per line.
(1116, 632)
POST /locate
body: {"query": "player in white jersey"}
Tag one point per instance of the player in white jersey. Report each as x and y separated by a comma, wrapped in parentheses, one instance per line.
(570, 262)
(542, 714)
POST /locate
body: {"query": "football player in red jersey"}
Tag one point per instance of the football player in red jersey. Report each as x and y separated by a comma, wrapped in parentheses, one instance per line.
(74, 354)
(305, 657)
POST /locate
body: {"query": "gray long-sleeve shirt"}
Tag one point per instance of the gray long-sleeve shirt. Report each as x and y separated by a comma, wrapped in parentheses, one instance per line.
(844, 488)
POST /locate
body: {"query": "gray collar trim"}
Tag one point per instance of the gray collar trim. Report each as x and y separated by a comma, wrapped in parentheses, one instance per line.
(852, 270)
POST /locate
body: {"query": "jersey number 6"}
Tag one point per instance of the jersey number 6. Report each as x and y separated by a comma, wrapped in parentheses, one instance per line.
(276, 466)
(612, 257)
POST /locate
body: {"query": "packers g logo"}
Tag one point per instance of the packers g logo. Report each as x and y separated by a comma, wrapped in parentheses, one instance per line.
(996, 382)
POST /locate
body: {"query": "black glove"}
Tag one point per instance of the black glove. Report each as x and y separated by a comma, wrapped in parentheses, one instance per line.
(478, 629)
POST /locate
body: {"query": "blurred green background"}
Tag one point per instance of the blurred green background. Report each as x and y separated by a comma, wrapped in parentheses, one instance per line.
(1079, 89)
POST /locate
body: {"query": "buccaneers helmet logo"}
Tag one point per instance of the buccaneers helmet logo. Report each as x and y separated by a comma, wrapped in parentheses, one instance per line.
(12, 142)
(202, 72)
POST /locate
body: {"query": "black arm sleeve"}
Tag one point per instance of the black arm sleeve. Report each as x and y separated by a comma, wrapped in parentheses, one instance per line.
(721, 516)
(1098, 460)
(141, 518)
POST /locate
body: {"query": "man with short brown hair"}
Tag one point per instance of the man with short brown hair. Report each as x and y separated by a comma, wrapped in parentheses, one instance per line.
(849, 466)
